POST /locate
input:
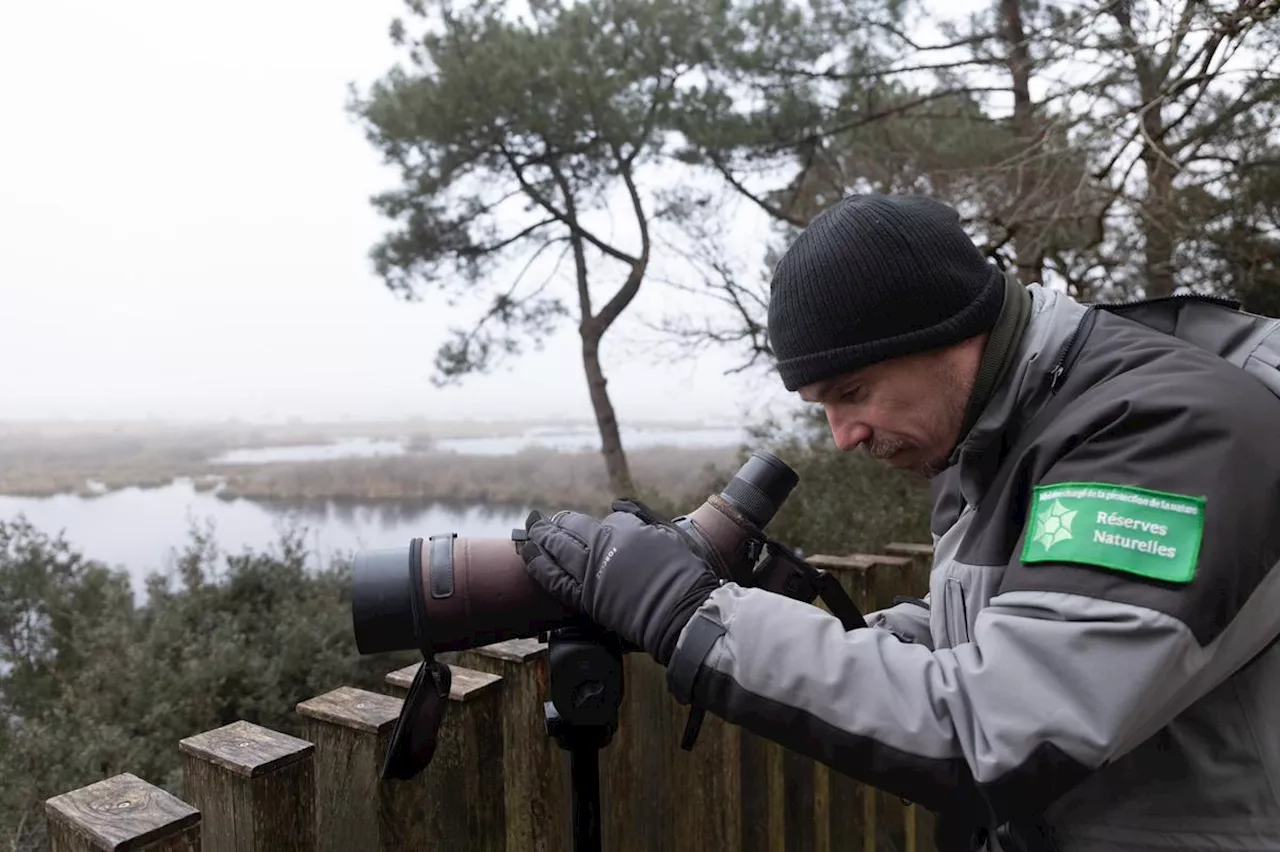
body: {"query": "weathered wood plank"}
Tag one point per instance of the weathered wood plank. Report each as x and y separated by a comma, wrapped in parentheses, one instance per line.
(351, 729)
(455, 803)
(123, 812)
(899, 548)
(255, 788)
(921, 556)
(535, 768)
(464, 684)
(859, 816)
(706, 793)
(637, 770)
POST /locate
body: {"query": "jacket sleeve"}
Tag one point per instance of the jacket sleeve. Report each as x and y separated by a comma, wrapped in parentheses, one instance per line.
(908, 621)
(1068, 667)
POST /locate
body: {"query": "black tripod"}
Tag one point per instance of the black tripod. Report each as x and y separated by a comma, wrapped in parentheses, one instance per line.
(586, 686)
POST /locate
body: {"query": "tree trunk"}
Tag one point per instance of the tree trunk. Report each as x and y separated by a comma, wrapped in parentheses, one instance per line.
(615, 459)
(1158, 216)
(1029, 195)
(1158, 220)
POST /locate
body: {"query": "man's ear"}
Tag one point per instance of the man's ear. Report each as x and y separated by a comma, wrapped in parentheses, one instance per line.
(967, 354)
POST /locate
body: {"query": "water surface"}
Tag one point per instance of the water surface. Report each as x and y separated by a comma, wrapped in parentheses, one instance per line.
(588, 440)
(562, 440)
(141, 530)
(344, 449)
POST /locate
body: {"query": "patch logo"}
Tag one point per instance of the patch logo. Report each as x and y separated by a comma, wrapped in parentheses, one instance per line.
(1139, 531)
(1053, 524)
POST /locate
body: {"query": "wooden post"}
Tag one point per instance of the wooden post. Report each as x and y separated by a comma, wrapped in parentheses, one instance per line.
(351, 729)
(455, 803)
(921, 556)
(121, 812)
(535, 768)
(705, 788)
(872, 580)
(638, 769)
(911, 549)
(254, 786)
(858, 816)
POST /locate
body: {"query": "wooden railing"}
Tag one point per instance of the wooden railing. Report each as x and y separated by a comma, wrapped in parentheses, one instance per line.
(498, 782)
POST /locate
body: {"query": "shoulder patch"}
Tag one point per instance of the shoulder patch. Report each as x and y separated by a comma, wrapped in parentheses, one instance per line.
(1153, 534)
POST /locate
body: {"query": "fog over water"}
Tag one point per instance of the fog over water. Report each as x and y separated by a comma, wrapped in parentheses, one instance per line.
(143, 529)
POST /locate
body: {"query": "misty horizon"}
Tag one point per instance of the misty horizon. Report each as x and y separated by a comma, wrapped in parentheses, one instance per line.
(206, 257)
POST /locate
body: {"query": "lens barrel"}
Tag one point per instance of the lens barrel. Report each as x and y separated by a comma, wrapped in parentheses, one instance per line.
(760, 487)
(382, 600)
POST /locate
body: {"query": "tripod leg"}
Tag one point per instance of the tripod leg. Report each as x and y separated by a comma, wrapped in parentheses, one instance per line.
(584, 769)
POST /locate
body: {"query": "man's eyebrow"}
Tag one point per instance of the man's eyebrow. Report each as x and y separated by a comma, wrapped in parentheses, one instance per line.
(823, 388)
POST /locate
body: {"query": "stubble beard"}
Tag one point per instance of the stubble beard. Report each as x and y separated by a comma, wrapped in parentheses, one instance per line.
(956, 409)
(957, 405)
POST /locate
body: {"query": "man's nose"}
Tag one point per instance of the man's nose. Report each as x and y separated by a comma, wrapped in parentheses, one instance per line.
(848, 434)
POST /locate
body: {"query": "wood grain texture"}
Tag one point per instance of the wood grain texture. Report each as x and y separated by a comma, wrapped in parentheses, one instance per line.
(535, 770)
(465, 684)
(498, 782)
(457, 802)
(255, 788)
(351, 729)
(123, 812)
(357, 709)
(246, 749)
(512, 650)
(637, 770)
(912, 549)
(706, 797)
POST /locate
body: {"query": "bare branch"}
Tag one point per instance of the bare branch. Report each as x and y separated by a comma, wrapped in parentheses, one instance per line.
(968, 41)
(874, 73)
(561, 216)
(772, 209)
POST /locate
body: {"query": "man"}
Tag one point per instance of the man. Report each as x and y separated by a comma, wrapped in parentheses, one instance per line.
(1092, 667)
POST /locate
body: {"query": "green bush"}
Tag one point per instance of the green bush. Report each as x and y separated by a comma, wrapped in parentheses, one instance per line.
(845, 502)
(91, 685)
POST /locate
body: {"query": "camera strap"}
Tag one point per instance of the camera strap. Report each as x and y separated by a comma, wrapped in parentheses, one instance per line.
(413, 741)
(779, 570)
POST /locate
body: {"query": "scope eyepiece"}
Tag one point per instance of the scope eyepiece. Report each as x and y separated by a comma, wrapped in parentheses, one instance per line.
(760, 487)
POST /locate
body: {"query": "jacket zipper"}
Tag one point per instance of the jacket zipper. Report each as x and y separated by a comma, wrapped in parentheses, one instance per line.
(1071, 351)
(1179, 297)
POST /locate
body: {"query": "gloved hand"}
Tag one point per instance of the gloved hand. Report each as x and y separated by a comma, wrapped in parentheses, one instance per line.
(638, 579)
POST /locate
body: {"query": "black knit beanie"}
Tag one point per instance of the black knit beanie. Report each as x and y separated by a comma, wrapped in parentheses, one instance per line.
(875, 277)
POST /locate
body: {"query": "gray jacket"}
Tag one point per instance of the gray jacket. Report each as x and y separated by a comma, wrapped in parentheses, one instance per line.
(1094, 652)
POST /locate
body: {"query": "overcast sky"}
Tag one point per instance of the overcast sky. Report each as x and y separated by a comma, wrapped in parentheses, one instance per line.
(185, 226)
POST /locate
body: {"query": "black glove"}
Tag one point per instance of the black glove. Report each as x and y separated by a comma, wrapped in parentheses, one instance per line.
(638, 579)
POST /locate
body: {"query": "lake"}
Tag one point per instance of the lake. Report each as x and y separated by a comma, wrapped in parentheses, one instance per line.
(141, 529)
(564, 440)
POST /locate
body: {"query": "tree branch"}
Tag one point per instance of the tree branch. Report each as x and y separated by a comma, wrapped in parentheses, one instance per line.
(615, 306)
(773, 210)
(888, 112)
(568, 221)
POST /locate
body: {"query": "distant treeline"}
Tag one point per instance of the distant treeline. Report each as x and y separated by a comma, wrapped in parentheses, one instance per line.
(64, 458)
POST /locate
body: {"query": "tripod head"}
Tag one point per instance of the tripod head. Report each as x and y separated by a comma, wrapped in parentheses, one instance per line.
(586, 685)
(585, 682)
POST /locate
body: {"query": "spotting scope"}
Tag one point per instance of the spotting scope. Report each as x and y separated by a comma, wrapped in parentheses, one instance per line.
(448, 593)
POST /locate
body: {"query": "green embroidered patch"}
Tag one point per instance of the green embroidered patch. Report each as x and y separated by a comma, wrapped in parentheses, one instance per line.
(1150, 533)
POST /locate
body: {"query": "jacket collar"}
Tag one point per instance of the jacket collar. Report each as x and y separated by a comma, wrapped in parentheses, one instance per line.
(1023, 391)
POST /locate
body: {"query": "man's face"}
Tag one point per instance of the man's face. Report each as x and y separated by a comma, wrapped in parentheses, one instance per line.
(907, 411)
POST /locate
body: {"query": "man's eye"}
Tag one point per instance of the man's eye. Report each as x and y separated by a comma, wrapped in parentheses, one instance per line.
(850, 394)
